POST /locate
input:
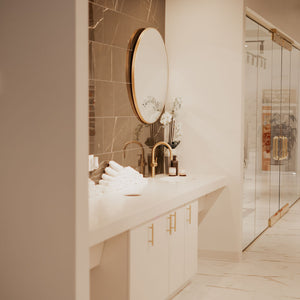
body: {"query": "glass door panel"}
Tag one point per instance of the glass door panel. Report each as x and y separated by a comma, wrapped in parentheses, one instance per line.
(295, 83)
(263, 130)
(293, 159)
(271, 153)
(249, 203)
(275, 128)
(287, 166)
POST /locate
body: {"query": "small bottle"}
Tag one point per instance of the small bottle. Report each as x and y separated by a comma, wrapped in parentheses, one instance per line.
(172, 171)
(174, 164)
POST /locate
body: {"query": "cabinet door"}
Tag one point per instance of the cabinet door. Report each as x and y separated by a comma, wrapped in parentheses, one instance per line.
(149, 262)
(191, 240)
(176, 250)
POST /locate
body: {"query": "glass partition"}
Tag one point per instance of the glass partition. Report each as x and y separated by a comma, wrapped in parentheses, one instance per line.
(250, 137)
(271, 165)
(263, 130)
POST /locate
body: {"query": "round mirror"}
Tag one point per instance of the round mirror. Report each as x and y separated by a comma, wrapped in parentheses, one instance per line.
(149, 75)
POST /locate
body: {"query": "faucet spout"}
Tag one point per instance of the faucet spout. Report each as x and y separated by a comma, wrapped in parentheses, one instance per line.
(142, 162)
(153, 160)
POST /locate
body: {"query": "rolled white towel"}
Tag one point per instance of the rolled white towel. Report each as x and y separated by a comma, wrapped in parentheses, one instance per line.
(115, 166)
(129, 172)
(111, 172)
(104, 182)
(107, 177)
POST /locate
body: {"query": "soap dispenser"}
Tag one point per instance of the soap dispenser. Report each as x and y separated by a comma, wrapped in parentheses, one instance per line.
(174, 164)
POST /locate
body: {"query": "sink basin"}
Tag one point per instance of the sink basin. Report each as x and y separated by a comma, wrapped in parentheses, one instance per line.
(175, 179)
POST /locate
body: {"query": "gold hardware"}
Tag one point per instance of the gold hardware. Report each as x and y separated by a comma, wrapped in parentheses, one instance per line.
(154, 161)
(152, 235)
(281, 39)
(175, 221)
(282, 142)
(281, 147)
(143, 162)
(174, 227)
(275, 148)
(190, 214)
(285, 146)
(170, 224)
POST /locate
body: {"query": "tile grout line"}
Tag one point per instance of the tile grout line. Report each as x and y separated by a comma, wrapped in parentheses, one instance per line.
(119, 12)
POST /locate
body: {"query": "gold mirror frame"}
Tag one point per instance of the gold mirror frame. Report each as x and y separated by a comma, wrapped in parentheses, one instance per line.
(149, 75)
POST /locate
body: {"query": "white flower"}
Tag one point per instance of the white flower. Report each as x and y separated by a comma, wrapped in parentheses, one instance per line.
(176, 104)
(177, 131)
(166, 118)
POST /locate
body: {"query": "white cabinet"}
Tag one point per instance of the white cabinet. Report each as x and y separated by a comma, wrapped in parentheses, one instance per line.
(163, 254)
(191, 240)
(148, 261)
(176, 250)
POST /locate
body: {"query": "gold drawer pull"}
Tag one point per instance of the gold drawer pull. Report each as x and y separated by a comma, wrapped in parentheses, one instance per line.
(190, 214)
(275, 148)
(285, 146)
(174, 227)
(170, 224)
(152, 235)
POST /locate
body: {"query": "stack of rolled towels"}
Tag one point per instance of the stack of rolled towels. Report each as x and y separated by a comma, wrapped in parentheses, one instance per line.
(121, 179)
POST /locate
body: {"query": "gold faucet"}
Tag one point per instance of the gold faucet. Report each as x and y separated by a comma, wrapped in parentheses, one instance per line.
(154, 161)
(143, 163)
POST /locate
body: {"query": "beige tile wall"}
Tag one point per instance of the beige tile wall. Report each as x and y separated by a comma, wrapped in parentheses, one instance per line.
(112, 120)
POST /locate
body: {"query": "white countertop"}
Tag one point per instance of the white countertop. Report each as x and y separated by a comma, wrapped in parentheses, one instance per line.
(111, 214)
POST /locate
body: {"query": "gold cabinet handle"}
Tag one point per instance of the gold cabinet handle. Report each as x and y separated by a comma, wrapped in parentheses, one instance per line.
(152, 235)
(280, 146)
(285, 144)
(189, 208)
(283, 147)
(275, 148)
(174, 227)
(170, 225)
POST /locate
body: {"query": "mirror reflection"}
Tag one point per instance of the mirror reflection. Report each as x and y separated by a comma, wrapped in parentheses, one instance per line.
(149, 75)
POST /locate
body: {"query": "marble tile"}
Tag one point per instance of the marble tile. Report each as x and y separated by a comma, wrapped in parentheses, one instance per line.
(111, 4)
(101, 61)
(96, 23)
(98, 136)
(122, 102)
(121, 136)
(156, 16)
(132, 158)
(104, 99)
(118, 157)
(141, 131)
(119, 29)
(269, 269)
(91, 146)
(136, 8)
(109, 133)
(121, 65)
(105, 157)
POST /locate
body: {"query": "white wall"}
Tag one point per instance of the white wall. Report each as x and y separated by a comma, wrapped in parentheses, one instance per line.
(204, 41)
(283, 14)
(43, 152)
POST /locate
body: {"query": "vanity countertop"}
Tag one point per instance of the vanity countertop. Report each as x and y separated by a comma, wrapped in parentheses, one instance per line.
(111, 214)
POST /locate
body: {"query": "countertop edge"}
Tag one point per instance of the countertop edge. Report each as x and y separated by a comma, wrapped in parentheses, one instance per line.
(99, 235)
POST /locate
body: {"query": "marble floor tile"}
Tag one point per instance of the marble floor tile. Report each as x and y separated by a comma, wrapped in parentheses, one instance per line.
(269, 268)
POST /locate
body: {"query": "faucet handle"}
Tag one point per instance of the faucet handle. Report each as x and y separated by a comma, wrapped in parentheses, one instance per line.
(154, 164)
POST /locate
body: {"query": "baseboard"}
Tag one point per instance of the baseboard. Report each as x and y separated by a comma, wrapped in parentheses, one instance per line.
(278, 215)
(179, 290)
(220, 255)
